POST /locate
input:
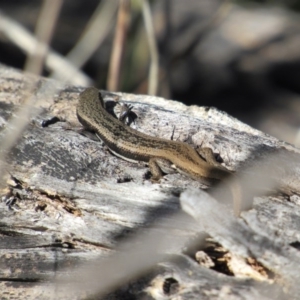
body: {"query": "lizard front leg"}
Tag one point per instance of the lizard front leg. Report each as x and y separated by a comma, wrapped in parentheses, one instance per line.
(208, 155)
(159, 166)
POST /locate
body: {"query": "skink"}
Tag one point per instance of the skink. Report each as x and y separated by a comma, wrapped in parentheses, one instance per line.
(162, 155)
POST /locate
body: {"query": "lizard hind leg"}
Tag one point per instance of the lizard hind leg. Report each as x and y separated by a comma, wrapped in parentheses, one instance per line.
(160, 166)
(235, 188)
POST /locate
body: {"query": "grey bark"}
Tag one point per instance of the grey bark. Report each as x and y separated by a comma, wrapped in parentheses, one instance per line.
(66, 200)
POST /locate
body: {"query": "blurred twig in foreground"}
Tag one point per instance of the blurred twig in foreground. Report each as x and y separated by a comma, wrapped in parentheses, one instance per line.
(27, 42)
(44, 30)
(140, 253)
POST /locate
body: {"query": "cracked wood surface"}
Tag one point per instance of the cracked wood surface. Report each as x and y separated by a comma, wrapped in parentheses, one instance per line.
(67, 200)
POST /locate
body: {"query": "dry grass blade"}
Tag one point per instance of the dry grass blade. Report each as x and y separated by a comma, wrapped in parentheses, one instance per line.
(140, 253)
(132, 258)
(95, 32)
(44, 30)
(236, 236)
(118, 45)
(22, 117)
(27, 42)
(154, 61)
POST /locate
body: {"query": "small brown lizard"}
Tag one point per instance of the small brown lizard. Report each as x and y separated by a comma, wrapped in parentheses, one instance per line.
(163, 156)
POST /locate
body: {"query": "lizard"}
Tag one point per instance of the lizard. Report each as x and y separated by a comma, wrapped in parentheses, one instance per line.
(162, 155)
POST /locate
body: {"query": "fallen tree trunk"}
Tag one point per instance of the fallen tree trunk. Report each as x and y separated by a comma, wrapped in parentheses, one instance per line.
(66, 200)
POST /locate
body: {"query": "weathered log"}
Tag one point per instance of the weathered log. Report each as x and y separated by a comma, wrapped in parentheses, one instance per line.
(67, 200)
